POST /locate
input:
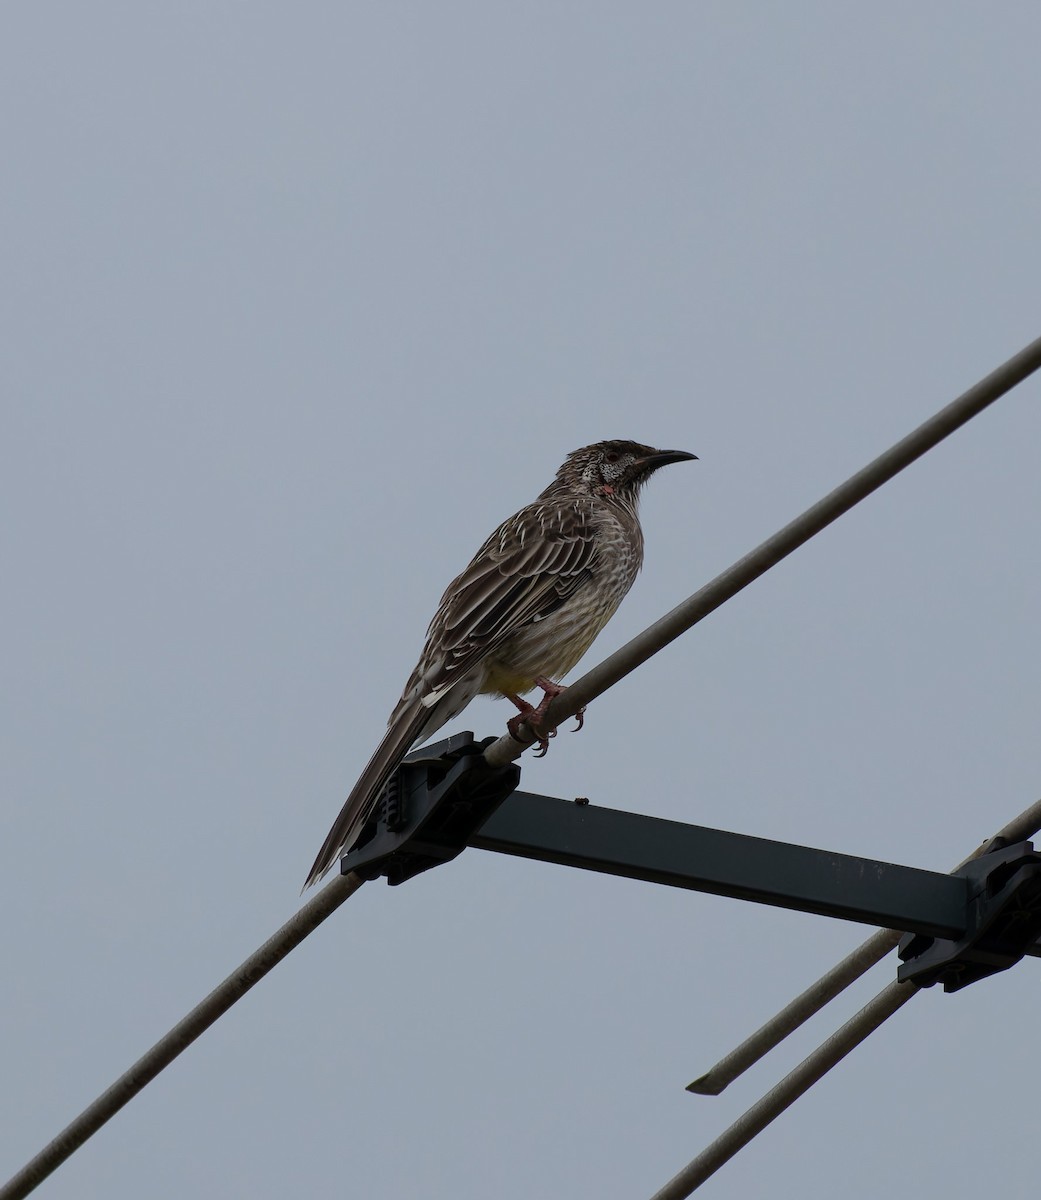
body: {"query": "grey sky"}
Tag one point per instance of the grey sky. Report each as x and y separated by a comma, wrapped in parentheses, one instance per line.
(299, 302)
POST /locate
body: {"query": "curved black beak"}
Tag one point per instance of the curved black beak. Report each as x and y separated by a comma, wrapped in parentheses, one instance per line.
(662, 458)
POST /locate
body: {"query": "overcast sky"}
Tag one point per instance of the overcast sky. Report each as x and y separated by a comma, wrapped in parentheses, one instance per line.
(300, 301)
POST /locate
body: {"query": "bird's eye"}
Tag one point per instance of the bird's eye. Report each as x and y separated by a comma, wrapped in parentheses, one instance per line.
(612, 456)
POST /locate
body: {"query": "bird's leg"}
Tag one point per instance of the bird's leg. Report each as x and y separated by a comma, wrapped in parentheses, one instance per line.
(533, 716)
(528, 715)
(553, 690)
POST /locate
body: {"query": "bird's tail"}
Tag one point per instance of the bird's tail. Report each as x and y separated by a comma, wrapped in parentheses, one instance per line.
(403, 730)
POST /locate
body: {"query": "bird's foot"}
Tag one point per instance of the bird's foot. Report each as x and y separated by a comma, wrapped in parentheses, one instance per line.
(543, 743)
(529, 715)
(533, 716)
(553, 690)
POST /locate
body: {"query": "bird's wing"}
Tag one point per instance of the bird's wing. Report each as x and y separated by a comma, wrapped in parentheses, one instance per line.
(526, 570)
(523, 572)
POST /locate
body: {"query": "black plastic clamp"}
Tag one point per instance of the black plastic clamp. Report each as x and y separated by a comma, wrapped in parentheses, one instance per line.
(429, 809)
(1004, 909)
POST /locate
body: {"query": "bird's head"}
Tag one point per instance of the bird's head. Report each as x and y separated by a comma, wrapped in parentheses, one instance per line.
(616, 468)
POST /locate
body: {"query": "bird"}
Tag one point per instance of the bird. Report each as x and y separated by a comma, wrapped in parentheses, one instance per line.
(520, 615)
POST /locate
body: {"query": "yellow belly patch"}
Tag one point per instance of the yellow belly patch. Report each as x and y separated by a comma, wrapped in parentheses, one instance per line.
(501, 680)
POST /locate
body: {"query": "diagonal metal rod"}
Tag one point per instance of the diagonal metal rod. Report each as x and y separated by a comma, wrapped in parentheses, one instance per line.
(831, 984)
(835, 981)
(805, 1075)
(202, 1016)
(774, 549)
(817, 1064)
